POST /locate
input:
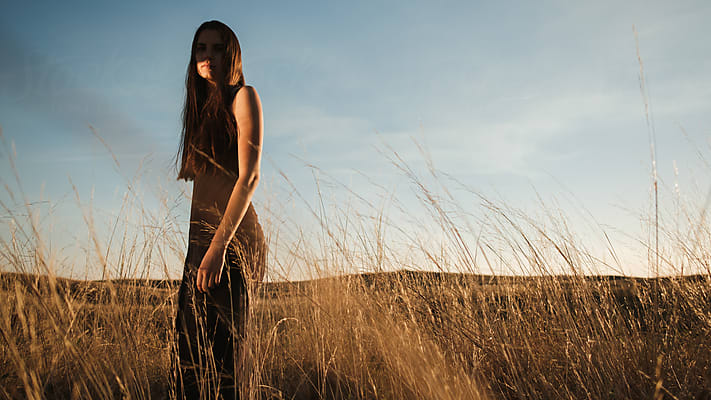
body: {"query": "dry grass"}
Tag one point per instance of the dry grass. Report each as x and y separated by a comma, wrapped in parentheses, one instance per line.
(558, 333)
(385, 335)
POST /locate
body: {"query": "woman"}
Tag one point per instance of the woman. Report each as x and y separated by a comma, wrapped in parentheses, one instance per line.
(220, 152)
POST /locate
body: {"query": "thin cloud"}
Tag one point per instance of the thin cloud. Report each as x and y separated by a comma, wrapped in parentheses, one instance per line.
(43, 87)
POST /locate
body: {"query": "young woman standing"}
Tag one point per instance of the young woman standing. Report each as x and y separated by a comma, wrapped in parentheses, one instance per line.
(220, 152)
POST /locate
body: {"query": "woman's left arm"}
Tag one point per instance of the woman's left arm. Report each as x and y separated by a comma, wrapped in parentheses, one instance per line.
(248, 112)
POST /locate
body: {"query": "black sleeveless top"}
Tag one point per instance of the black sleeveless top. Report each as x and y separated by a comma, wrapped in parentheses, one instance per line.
(225, 153)
(233, 92)
(216, 153)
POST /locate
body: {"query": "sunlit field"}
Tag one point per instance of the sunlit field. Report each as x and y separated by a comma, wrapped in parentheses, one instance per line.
(372, 326)
(385, 335)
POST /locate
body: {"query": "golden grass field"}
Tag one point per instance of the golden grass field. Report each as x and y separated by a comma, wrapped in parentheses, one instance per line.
(559, 331)
(397, 335)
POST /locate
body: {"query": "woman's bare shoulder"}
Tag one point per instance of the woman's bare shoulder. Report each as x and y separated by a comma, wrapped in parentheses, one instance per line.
(245, 92)
(245, 99)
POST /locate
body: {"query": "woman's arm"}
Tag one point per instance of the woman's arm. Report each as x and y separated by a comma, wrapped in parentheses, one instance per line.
(248, 112)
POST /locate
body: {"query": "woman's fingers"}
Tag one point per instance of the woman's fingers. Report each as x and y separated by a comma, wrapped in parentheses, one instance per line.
(203, 280)
(199, 279)
(215, 280)
(207, 280)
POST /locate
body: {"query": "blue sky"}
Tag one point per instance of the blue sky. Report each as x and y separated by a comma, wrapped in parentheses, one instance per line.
(511, 98)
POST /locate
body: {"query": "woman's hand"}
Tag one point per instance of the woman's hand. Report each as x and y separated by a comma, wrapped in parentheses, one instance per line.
(210, 270)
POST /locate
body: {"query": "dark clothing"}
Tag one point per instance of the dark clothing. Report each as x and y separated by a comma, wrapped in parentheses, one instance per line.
(210, 328)
(211, 141)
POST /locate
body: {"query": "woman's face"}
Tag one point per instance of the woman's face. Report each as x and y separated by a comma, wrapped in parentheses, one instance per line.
(209, 55)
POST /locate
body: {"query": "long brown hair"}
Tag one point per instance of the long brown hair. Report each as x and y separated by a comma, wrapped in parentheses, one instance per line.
(209, 132)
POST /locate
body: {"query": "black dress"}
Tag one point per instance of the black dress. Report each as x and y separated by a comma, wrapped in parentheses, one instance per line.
(210, 328)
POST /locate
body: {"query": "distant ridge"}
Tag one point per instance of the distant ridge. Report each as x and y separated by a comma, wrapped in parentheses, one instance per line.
(370, 279)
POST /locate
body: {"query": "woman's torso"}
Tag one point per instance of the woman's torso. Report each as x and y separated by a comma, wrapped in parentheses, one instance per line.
(211, 193)
(210, 197)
